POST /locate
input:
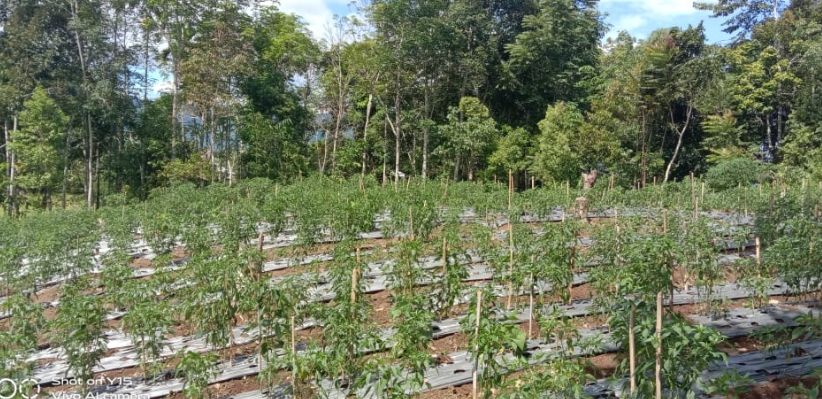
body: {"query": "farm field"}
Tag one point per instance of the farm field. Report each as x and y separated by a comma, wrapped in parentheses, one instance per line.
(427, 199)
(428, 289)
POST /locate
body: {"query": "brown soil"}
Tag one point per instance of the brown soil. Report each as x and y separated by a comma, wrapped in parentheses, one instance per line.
(48, 294)
(381, 308)
(443, 346)
(228, 388)
(777, 388)
(739, 345)
(603, 366)
(460, 392)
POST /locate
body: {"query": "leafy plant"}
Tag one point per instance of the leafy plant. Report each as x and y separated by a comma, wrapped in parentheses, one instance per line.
(78, 328)
(730, 384)
(196, 369)
(490, 336)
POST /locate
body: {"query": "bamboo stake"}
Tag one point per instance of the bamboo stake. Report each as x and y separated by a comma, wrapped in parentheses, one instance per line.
(510, 263)
(632, 351)
(410, 223)
(510, 240)
(658, 371)
(444, 257)
(702, 194)
(293, 353)
(531, 307)
(476, 347)
(758, 252)
(572, 264)
(510, 188)
(354, 282)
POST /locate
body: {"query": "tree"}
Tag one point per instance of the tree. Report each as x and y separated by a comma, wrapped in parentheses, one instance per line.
(743, 15)
(763, 85)
(558, 156)
(561, 41)
(468, 136)
(38, 144)
(513, 152)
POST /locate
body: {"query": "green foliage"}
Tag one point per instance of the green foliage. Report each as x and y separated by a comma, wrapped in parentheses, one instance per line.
(468, 136)
(735, 172)
(20, 338)
(513, 151)
(39, 145)
(560, 40)
(195, 169)
(731, 384)
(196, 369)
(793, 254)
(558, 157)
(687, 350)
(495, 336)
(561, 378)
(78, 328)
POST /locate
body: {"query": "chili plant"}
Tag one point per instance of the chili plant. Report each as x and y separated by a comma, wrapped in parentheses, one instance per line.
(196, 369)
(78, 328)
(490, 335)
(19, 339)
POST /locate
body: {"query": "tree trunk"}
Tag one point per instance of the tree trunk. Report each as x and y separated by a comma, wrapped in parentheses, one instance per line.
(678, 143)
(385, 152)
(425, 135)
(12, 201)
(175, 100)
(397, 136)
(90, 193)
(365, 136)
(325, 151)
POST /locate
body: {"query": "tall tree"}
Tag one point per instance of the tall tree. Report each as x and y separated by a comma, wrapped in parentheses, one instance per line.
(560, 41)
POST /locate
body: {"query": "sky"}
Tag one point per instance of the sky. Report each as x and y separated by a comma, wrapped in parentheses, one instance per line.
(638, 17)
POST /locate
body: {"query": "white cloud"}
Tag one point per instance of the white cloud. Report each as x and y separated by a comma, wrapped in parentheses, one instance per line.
(629, 23)
(318, 14)
(654, 8)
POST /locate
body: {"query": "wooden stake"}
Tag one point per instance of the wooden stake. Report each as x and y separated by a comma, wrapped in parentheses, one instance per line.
(510, 263)
(632, 351)
(510, 188)
(476, 347)
(411, 223)
(354, 282)
(444, 257)
(658, 371)
(572, 264)
(702, 194)
(758, 251)
(533, 183)
(293, 353)
(531, 307)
